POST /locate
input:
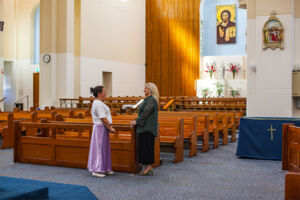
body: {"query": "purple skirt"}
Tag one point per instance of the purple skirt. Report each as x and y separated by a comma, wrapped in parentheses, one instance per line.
(99, 155)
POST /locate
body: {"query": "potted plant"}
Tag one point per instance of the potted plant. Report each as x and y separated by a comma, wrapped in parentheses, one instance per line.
(220, 89)
(205, 92)
(235, 93)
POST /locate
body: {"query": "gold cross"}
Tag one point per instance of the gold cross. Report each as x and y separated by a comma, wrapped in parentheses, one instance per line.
(272, 129)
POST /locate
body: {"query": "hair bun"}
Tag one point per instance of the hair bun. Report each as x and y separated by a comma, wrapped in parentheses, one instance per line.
(92, 90)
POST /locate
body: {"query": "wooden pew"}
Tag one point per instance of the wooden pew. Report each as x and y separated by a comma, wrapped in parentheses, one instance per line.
(191, 103)
(7, 130)
(65, 112)
(290, 148)
(190, 129)
(291, 160)
(168, 136)
(166, 103)
(172, 135)
(214, 126)
(231, 117)
(292, 186)
(194, 126)
(7, 121)
(157, 159)
(72, 152)
(220, 123)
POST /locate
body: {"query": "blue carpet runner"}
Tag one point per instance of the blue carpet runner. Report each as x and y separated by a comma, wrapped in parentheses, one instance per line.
(17, 188)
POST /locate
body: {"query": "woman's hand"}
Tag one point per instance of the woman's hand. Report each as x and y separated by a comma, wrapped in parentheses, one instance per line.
(112, 130)
(132, 123)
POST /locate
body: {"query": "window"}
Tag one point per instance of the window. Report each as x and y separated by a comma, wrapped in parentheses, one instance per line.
(36, 37)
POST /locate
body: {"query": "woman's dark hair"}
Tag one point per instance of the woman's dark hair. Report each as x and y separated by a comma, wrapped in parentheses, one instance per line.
(96, 90)
(229, 14)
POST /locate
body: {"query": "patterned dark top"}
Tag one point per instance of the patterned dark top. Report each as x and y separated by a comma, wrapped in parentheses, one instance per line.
(148, 116)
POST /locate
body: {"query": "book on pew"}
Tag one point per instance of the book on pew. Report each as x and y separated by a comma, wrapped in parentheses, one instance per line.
(138, 103)
(125, 106)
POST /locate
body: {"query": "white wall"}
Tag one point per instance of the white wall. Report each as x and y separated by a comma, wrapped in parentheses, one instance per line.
(113, 40)
(297, 55)
(113, 30)
(25, 82)
(251, 66)
(48, 81)
(1, 83)
(207, 60)
(271, 95)
(127, 79)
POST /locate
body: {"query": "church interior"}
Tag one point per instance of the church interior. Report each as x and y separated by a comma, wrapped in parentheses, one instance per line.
(228, 78)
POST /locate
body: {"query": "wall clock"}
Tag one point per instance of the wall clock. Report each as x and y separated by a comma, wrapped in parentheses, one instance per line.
(46, 58)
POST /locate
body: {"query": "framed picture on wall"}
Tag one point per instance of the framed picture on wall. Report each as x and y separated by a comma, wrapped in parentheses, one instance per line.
(273, 33)
(226, 29)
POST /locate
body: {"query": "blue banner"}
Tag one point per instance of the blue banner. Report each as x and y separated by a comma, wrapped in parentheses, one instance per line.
(262, 137)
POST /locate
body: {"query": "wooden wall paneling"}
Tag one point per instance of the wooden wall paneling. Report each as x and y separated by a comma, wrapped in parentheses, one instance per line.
(172, 45)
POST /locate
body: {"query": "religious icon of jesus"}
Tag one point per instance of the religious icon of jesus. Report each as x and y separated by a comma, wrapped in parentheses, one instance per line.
(274, 34)
(226, 31)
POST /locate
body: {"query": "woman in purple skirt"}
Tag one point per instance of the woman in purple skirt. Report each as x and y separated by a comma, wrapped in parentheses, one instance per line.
(99, 156)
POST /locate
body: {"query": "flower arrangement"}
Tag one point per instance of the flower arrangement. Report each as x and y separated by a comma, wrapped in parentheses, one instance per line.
(234, 68)
(211, 69)
(235, 93)
(205, 92)
(220, 89)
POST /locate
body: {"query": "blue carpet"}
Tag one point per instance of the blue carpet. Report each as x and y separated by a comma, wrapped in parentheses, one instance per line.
(18, 191)
(14, 187)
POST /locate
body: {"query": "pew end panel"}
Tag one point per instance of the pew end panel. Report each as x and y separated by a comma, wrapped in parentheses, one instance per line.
(172, 135)
(291, 148)
(292, 186)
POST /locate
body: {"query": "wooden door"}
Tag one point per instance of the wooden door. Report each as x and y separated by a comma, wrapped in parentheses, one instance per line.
(36, 89)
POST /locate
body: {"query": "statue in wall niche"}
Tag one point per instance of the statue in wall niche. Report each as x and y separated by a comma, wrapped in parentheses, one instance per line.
(222, 71)
(273, 33)
(226, 31)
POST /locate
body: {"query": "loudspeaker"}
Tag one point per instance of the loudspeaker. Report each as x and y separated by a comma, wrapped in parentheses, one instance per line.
(1, 25)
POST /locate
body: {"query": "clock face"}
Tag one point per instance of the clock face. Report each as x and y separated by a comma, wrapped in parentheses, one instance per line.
(46, 58)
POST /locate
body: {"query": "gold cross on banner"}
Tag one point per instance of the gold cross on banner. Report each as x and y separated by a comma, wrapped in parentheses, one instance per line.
(272, 129)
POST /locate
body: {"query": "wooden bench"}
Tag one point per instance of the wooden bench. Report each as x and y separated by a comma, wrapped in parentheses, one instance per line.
(291, 160)
(214, 126)
(190, 128)
(7, 124)
(157, 159)
(232, 116)
(72, 152)
(172, 138)
(192, 103)
(7, 130)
